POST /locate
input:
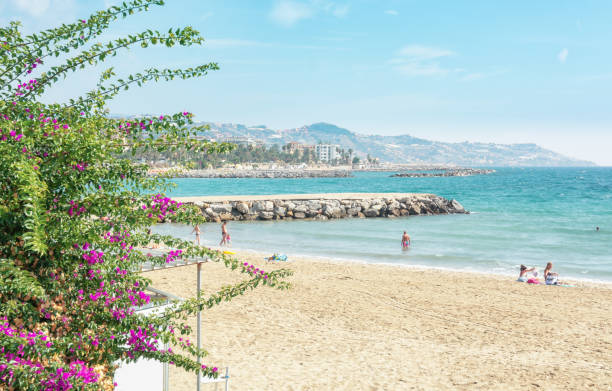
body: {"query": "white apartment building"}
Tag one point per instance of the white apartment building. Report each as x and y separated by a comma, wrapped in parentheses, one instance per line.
(327, 152)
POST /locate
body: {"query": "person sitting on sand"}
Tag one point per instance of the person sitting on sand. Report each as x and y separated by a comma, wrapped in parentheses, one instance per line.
(550, 277)
(405, 240)
(523, 273)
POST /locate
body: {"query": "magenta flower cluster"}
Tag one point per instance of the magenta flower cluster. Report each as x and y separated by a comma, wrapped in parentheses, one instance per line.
(26, 86)
(161, 206)
(13, 134)
(173, 255)
(255, 271)
(33, 66)
(75, 209)
(80, 166)
(59, 380)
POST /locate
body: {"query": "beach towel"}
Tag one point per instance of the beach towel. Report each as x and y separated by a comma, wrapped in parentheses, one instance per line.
(277, 257)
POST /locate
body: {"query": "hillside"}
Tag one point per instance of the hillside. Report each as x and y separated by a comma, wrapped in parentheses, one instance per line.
(404, 148)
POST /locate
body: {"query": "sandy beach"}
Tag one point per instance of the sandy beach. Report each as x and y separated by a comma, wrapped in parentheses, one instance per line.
(352, 326)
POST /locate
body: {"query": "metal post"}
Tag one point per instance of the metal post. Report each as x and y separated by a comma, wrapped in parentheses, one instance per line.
(166, 375)
(199, 322)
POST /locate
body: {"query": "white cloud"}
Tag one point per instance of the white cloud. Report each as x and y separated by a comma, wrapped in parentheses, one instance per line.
(418, 60)
(562, 56)
(392, 12)
(32, 7)
(419, 69)
(421, 53)
(289, 12)
(340, 11)
(53, 10)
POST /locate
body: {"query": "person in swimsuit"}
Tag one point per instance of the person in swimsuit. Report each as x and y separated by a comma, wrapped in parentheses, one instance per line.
(550, 277)
(196, 229)
(523, 273)
(405, 240)
(225, 238)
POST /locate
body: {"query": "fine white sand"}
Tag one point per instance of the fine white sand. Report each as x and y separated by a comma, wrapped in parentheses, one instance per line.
(350, 326)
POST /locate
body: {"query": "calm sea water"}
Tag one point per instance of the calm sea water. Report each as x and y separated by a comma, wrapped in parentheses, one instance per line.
(519, 215)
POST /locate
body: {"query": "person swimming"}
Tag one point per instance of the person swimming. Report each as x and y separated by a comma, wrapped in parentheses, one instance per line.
(405, 240)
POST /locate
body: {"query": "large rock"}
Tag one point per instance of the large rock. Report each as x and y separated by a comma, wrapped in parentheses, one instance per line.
(242, 207)
(221, 208)
(299, 215)
(280, 211)
(393, 205)
(259, 206)
(226, 216)
(456, 206)
(301, 208)
(353, 211)
(265, 215)
(415, 209)
(371, 212)
(332, 212)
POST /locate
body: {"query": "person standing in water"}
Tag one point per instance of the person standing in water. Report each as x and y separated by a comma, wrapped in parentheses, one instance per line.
(225, 238)
(405, 240)
(196, 229)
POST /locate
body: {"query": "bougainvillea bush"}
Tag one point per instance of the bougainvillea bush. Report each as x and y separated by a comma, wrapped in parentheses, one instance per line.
(75, 217)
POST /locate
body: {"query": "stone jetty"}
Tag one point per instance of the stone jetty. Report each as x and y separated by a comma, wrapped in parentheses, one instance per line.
(322, 206)
(279, 173)
(445, 172)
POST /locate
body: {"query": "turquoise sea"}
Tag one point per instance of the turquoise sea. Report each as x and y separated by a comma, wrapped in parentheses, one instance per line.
(519, 215)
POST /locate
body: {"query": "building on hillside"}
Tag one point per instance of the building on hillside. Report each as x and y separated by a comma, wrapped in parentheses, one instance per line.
(293, 146)
(327, 152)
(243, 141)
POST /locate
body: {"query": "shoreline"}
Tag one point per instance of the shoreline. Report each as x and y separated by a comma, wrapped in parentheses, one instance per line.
(352, 326)
(245, 252)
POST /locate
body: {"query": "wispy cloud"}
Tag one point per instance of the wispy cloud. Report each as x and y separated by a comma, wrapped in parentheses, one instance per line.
(562, 56)
(392, 12)
(340, 11)
(289, 12)
(32, 7)
(418, 60)
(58, 10)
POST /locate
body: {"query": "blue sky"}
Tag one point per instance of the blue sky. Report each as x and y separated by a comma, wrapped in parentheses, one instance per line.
(491, 71)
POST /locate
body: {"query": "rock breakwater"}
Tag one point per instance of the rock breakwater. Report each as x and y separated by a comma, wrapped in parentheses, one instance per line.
(447, 172)
(322, 206)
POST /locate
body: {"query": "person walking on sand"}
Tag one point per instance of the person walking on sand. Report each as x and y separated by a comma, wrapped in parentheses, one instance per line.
(405, 240)
(196, 229)
(225, 238)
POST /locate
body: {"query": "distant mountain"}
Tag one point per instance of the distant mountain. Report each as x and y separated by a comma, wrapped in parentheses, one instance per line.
(404, 148)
